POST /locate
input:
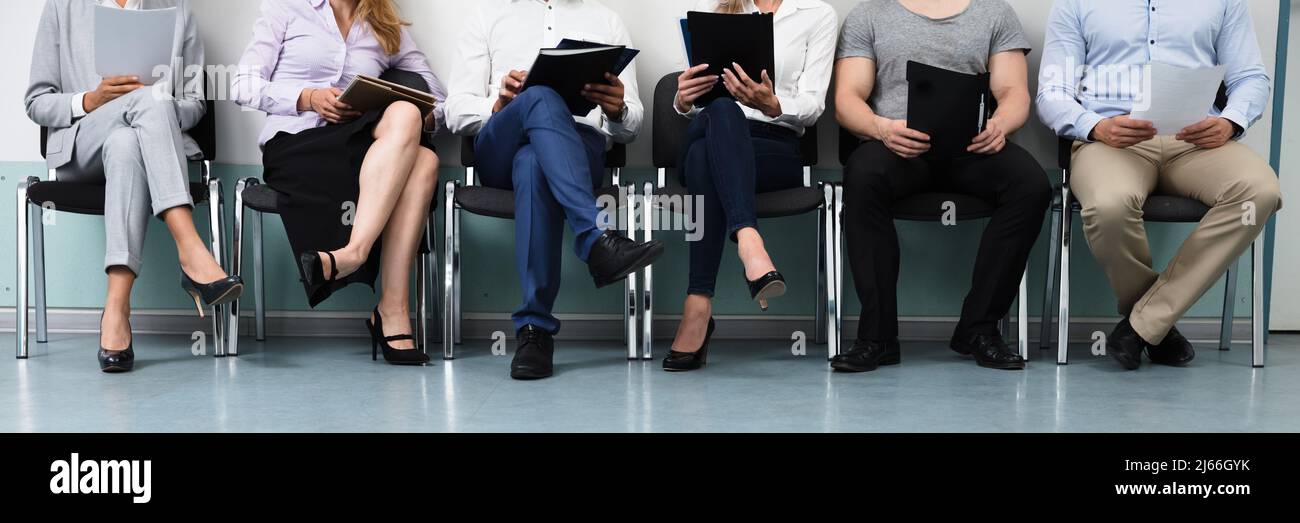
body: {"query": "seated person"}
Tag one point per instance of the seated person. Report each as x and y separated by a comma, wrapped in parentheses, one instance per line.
(322, 155)
(527, 141)
(1118, 161)
(116, 132)
(967, 36)
(746, 144)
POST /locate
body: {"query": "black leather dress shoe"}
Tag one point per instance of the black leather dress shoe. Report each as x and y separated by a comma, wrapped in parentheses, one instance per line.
(114, 361)
(1126, 346)
(1174, 351)
(533, 353)
(613, 257)
(989, 350)
(866, 356)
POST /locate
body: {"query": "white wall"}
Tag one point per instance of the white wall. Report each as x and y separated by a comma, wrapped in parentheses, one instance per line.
(1286, 281)
(226, 28)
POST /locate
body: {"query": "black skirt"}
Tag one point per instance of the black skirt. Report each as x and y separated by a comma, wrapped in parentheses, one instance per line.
(317, 175)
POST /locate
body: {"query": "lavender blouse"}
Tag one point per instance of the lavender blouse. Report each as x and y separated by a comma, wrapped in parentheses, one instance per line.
(297, 45)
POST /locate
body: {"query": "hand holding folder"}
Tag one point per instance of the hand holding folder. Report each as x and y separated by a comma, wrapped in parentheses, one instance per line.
(720, 40)
(573, 65)
(953, 108)
(367, 93)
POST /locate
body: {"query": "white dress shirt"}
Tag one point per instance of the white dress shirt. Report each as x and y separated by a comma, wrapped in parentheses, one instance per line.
(505, 35)
(805, 33)
(79, 100)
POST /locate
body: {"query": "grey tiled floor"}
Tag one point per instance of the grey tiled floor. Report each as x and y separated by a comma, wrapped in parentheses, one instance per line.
(328, 385)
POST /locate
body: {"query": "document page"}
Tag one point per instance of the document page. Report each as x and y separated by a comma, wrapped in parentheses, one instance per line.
(1175, 97)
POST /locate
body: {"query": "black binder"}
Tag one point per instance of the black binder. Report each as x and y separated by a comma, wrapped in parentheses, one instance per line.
(720, 39)
(575, 64)
(951, 107)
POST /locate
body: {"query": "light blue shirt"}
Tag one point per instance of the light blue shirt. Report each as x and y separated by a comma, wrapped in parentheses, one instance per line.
(1091, 43)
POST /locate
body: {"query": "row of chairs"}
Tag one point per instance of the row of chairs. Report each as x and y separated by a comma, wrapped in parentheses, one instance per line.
(824, 198)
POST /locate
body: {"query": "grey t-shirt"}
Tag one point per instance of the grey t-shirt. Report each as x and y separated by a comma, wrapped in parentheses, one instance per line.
(891, 35)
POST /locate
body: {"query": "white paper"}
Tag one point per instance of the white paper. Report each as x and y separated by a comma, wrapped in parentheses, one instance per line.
(1175, 97)
(134, 42)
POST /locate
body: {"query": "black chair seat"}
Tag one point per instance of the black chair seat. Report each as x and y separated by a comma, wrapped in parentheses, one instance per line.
(775, 204)
(262, 198)
(500, 203)
(86, 198)
(1159, 208)
(929, 207)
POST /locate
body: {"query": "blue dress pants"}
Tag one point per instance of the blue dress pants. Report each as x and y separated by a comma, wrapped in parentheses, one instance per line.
(553, 164)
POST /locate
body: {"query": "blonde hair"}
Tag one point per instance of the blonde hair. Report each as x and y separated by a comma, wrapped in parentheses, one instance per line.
(385, 21)
(731, 6)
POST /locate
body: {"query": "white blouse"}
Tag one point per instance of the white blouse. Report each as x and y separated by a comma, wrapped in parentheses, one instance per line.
(805, 34)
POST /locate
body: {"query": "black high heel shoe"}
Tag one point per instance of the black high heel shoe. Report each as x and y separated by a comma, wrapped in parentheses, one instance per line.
(392, 355)
(684, 361)
(771, 285)
(313, 268)
(117, 361)
(219, 292)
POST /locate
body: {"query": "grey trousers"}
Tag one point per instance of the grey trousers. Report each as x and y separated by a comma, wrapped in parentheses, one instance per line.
(134, 145)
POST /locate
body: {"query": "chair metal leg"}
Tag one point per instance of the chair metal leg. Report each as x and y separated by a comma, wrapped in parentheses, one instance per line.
(1063, 299)
(422, 302)
(631, 307)
(1257, 302)
(215, 223)
(823, 290)
(456, 281)
(1022, 318)
(237, 259)
(448, 277)
(1053, 257)
(21, 237)
(647, 275)
(259, 279)
(37, 228)
(835, 334)
(434, 287)
(1229, 306)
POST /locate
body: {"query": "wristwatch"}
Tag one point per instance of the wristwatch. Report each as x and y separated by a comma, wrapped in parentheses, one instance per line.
(622, 115)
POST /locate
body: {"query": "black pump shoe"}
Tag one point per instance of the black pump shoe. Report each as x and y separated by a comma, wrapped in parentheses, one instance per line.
(117, 361)
(684, 361)
(613, 257)
(313, 269)
(392, 355)
(771, 285)
(219, 292)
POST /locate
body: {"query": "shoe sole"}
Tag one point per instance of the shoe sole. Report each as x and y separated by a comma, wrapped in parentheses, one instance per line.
(114, 369)
(884, 362)
(646, 259)
(772, 290)
(530, 376)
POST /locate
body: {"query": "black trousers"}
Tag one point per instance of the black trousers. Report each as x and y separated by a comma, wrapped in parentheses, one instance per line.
(1011, 181)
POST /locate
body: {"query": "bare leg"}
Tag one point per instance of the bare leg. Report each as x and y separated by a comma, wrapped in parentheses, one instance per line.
(401, 241)
(195, 258)
(695, 324)
(753, 254)
(115, 328)
(383, 177)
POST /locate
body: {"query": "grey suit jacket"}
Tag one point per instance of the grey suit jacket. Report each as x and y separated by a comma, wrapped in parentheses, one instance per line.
(63, 64)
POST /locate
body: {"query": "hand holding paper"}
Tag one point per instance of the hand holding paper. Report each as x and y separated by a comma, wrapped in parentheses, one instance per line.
(1174, 98)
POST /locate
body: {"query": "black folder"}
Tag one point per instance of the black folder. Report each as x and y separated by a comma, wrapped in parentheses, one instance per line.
(568, 68)
(951, 107)
(720, 39)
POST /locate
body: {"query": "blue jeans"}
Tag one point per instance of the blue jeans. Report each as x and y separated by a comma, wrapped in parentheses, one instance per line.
(726, 160)
(535, 148)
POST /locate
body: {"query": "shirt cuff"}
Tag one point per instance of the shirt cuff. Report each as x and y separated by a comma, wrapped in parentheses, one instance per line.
(1085, 124)
(282, 98)
(78, 106)
(786, 116)
(1240, 120)
(689, 114)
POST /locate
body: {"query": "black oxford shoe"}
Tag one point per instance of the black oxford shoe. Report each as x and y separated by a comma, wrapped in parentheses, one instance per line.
(613, 257)
(1174, 351)
(1126, 346)
(533, 354)
(989, 351)
(866, 356)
